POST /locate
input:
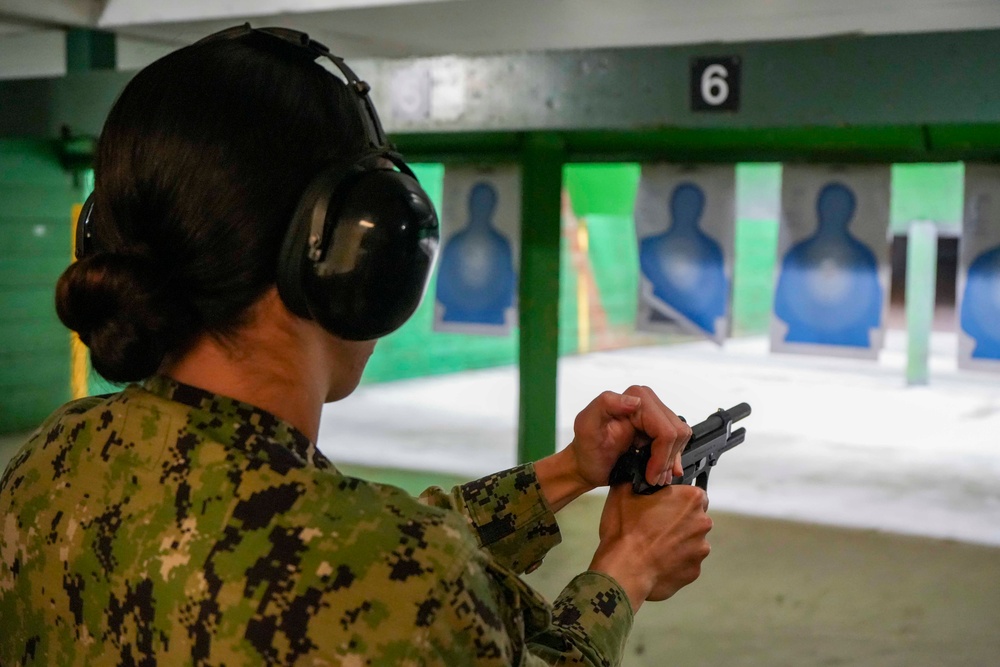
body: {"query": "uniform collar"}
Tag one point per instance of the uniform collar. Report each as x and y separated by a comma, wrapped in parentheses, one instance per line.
(234, 422)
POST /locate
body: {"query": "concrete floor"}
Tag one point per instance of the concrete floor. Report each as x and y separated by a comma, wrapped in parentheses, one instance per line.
(859, 524)
(842, 442)
(787, 594)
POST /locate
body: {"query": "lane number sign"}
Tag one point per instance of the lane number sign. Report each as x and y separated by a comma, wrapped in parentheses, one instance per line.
(715, 84)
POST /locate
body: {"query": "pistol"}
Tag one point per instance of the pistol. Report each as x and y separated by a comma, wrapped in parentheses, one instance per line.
(709, 440)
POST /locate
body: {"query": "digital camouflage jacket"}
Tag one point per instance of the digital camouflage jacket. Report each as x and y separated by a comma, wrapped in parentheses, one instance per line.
(165, 525)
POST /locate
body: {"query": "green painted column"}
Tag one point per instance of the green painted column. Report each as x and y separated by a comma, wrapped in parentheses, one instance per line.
(921, 280)
(88, 50)
(541, 186)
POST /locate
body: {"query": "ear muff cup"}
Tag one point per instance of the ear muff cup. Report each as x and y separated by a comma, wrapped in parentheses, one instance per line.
(359, 253)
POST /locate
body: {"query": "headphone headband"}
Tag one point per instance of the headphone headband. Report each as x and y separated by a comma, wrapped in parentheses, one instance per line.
(361, 247)
(302, 43)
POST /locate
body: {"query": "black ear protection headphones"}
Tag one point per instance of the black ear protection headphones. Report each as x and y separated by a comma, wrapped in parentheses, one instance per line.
(360, 248)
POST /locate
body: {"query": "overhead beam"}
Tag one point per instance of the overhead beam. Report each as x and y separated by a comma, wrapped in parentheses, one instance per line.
(51, 13)
(898, 97)
(920, 143)
(887, 80)
(88, 50)
(41, 108)
(425, 27)
(129, 12)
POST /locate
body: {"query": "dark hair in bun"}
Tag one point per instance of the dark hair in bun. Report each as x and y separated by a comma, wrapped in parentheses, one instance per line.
(198, 171)
(131, 320)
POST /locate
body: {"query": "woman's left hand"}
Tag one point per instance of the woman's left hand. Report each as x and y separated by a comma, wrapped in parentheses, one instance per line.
(608, 426)
(602, 432)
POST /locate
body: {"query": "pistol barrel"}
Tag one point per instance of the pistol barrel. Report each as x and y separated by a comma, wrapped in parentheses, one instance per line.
(718, 420)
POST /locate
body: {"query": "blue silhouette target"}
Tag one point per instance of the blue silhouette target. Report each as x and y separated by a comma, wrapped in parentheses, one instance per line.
(684, 265)
(980, 315)
(476, 279)
(829, 292)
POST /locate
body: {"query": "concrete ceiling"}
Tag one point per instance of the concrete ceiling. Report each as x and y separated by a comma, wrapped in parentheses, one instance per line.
(387, 28)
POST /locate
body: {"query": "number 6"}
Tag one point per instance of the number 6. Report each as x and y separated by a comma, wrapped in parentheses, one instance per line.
(714, 87)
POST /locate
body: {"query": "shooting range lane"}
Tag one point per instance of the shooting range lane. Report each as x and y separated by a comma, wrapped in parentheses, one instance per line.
(841, 442)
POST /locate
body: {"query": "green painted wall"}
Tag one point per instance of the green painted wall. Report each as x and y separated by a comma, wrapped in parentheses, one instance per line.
(603, 194)
(34, 220)
(36, 199)
(927, 192)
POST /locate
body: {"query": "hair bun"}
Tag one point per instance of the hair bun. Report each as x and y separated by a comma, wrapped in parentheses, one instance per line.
(119, 305)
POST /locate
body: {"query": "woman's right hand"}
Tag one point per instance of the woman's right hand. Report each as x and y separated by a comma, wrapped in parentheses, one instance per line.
(653, 545)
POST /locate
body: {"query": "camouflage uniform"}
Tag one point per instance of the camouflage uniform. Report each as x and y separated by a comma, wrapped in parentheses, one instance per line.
(167, 525)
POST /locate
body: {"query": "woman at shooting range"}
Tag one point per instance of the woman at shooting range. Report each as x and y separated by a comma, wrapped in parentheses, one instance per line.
(250, 236)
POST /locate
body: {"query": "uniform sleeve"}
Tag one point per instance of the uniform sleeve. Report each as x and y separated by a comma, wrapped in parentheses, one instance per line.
(591, 621)
(488, 616)
(508, 514)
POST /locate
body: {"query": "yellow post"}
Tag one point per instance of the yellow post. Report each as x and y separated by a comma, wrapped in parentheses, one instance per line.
(77, 350)
(582, 290)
